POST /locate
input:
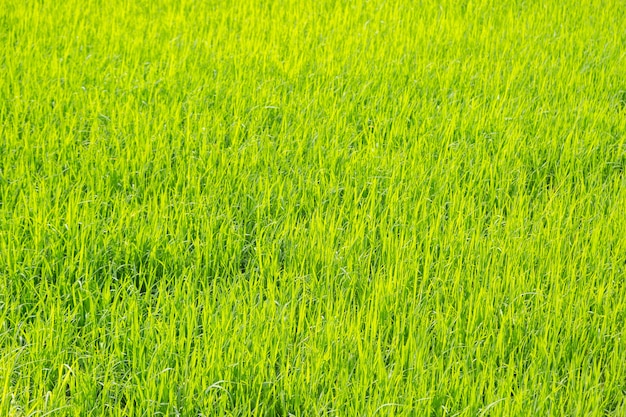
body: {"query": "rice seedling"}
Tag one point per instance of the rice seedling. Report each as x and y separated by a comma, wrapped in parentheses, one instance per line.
(287, 208)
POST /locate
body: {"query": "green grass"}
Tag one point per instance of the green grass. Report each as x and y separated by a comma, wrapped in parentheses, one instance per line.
(281, 207)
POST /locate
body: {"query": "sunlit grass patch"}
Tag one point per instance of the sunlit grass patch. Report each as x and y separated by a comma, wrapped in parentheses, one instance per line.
(276, 208)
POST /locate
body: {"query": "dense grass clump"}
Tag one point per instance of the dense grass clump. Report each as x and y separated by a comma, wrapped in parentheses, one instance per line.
(281, 207)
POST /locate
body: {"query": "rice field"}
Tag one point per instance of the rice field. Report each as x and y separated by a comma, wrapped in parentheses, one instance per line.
(312, 208)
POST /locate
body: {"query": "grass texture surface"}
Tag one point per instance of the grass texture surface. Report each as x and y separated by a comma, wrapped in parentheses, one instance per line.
(312, 208)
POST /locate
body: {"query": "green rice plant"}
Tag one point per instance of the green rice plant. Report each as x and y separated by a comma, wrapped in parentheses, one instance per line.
(288, 208)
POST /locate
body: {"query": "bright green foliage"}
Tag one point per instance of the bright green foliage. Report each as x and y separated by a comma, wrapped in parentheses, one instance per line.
(289, 207)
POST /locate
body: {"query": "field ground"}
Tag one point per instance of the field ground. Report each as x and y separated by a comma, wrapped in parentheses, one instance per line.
(282, 207)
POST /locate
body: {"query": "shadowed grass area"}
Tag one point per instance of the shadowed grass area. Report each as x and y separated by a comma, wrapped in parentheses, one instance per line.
(279, 208)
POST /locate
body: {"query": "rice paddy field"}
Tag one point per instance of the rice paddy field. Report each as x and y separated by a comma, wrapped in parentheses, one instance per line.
(312, 208)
